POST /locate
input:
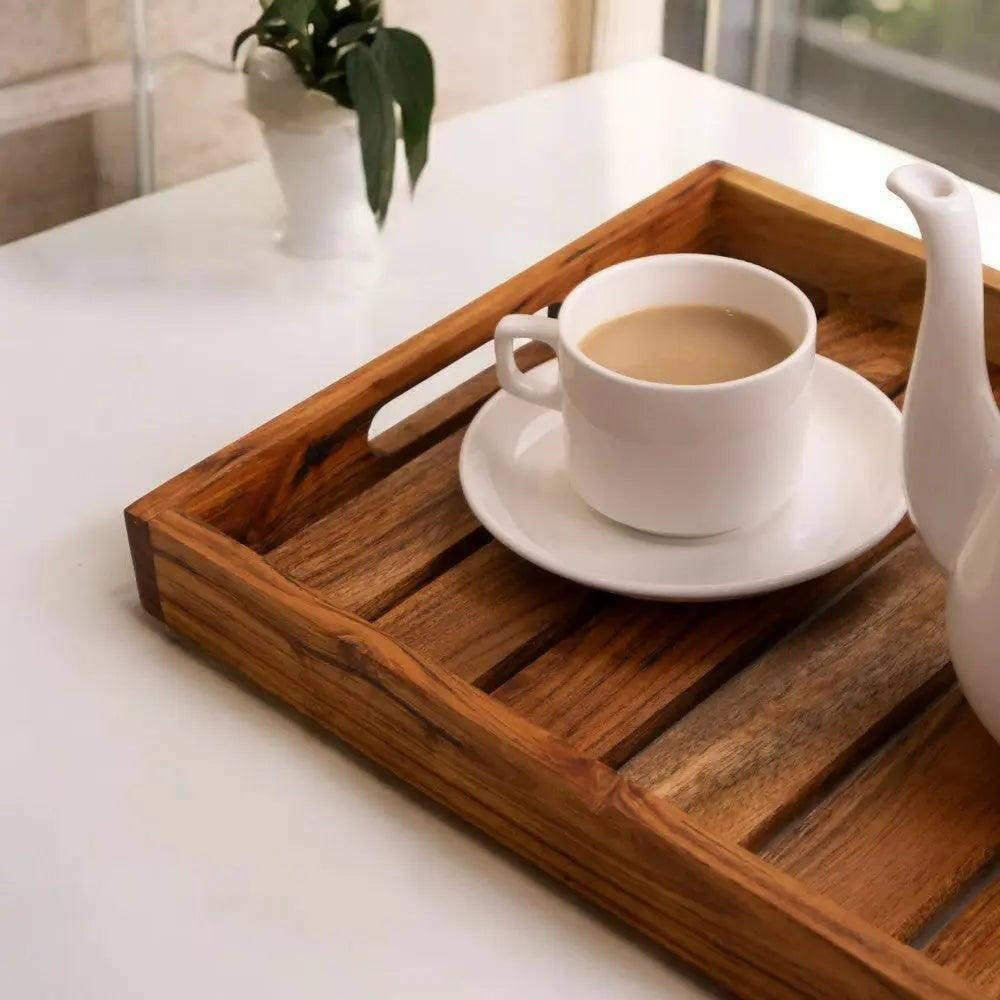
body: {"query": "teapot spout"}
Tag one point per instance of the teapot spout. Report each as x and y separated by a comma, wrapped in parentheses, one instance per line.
(951, 426)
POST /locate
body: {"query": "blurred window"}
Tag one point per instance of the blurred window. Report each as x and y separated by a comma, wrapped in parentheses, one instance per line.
(923, 75)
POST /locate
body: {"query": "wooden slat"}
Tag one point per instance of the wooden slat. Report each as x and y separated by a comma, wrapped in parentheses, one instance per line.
(764, 743)
(375, 549)
(488, 615)
(970, 944)
(754, 929)
(909, 828)
(639, 666)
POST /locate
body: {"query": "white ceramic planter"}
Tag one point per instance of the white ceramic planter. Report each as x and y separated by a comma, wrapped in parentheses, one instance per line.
(313, 144)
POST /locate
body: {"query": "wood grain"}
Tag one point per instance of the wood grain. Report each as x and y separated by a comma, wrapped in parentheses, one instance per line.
(639, 666)
(909, 829)
(970, 944)
(375, 549)
(749, 756)
(754, 929)
(489, 615)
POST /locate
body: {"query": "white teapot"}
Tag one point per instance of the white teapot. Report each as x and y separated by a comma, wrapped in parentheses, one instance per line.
(951, 432)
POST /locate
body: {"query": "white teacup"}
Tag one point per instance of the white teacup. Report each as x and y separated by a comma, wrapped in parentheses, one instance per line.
(675, 459)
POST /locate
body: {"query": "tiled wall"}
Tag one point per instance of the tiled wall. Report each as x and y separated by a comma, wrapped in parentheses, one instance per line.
(485, 51)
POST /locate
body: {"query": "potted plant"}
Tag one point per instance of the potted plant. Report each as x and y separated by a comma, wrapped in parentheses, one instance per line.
(323, 77)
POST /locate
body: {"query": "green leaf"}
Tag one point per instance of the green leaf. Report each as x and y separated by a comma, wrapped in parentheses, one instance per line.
(341, 51)
(335, 84)
(339, 16)
(407, 63)
(295, 13)
(319, 21)
(376, 124)
(366, 9)
(351, 33)
(241, 38)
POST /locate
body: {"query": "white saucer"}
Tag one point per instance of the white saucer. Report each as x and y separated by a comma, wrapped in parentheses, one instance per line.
(851, 496)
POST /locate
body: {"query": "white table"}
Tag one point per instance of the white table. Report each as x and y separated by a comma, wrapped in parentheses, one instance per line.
(163, 832)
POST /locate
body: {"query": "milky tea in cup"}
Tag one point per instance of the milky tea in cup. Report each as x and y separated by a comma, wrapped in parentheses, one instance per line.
(687, 344)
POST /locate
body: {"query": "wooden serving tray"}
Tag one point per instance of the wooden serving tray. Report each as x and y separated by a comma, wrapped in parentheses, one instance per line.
(788, 791)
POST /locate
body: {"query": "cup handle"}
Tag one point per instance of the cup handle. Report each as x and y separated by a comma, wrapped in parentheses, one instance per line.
(511, 377)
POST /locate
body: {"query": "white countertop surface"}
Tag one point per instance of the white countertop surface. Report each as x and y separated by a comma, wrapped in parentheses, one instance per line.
(163, 832)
